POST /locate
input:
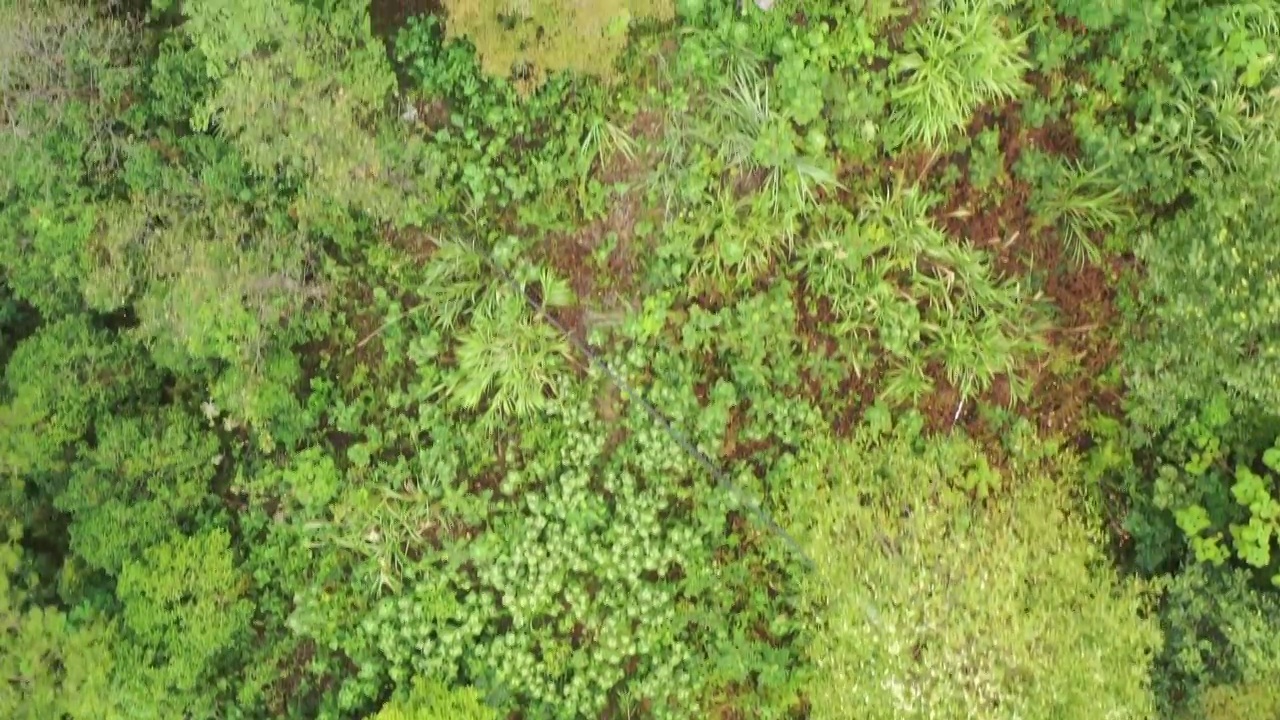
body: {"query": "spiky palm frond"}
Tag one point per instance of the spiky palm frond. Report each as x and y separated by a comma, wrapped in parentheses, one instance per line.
(1218, 129)
(906, 384)
(1080, 204)
(937, 300)
(749, 136)
(742, 113)
(903, 215)
(740, 239)
(602, 140)
(1262, 18)
(508, 361)
(807, 178)
(974, 353)
(456, 280)
(834, 265)
(958, 59)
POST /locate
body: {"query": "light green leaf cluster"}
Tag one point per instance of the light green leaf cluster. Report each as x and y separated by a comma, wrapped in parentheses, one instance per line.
(567, 605)
(534, 38)
(938, 606)
(1213, 310)
(430, 700)
(184, 617)
(143, 477)
(58, 383)
(50, 666)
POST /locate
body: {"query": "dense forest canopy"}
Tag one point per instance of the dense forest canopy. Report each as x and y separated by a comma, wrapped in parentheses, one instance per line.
(480, 359)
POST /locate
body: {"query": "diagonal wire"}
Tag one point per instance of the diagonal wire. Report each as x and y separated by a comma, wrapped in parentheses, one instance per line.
(726, 485)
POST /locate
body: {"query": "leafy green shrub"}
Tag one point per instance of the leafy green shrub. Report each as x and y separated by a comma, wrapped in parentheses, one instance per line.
(51, 665)
(64, 73)
(589, 578)
(1256, 510)
(58, 384)
(1200, 517)
(1204, 493)
(986, 161)
(141, 478)
(566, 575)
(1210, 304)
(185, 619)
(1221, 649)
(1180, 91)
(937, 605)
(295, 87)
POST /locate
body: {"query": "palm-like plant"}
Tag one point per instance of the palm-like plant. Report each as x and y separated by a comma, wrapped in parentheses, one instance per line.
(906, 228)
(742, 111)
(749, 136)
(1079, 203)
(456, 281)
(507, 359)
(508, 356)
(959, 58)
(1218, 127)
(907, 383)
(740, 240)
(925, 297)
(603, 139)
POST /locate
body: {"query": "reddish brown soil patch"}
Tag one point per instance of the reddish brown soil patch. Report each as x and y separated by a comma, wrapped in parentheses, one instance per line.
(388, 16)
(911, 167)
(416, 241)
(289, 683)
(898, 27)
(844, 406)
(648, 125)
(735, 448)
(433, 114)
(572, 254)
(290, 690)
(1066, 384)
(1085, 298)
(944, 411)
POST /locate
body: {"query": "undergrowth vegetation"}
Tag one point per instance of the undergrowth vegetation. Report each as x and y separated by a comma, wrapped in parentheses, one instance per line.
(630, 359)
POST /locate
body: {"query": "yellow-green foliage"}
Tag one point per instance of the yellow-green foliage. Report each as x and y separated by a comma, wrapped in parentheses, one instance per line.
(50, 667)
(940, 606)
(536, 37)
(1245, 701)
(295, 91)
(431, 700)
